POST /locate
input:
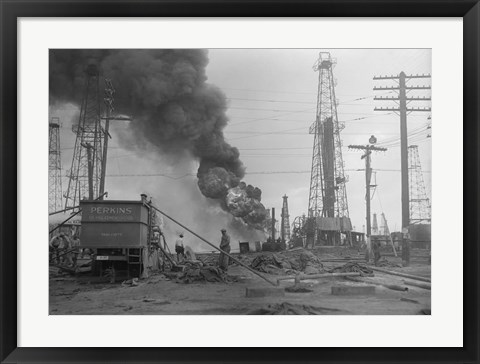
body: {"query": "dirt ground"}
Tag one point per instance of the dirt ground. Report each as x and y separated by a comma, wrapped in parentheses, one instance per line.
(159, 295)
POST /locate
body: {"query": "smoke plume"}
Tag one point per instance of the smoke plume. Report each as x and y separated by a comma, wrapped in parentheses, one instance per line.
(173, 108)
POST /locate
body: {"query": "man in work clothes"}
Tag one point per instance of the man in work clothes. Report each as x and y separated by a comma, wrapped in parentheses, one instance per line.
(223, 260)
(75, 249)
(65, 250)
(376, 252)
(54, 249)
(405, 247)
(179, 248)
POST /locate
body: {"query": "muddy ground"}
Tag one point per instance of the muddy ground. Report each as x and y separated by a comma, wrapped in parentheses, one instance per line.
(160, 295)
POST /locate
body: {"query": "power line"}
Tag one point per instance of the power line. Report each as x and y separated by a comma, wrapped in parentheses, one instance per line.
(247, 173)
(109, 147)
(274, 110)
(300, 102)
(313, 94)
(287, 130)
(275, 118)
(397, 141)
(280, 92)
(274, 155)
(152, 175)
(281, 148)
(296, 111)
(267, 118)
(268, 100)
(411, 133)
(419, 141)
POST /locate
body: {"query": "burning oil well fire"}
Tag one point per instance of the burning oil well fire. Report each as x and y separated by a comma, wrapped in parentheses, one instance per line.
(174, 109)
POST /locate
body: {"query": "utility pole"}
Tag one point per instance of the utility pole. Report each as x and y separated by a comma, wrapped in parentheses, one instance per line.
(403, 109)
(368, 175)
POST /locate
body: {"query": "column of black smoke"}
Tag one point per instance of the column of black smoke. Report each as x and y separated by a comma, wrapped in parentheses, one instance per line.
(173, 108)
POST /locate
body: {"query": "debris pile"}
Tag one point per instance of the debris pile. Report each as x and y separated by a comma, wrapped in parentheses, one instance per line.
(208, 259)
(310, 264)
(386, 263)
(286, 308)
(57, 272)
(352, 267)
(197, 272)
(270, 264)
(302, 261)
(212, 260)
(337, 252)
(244, 258)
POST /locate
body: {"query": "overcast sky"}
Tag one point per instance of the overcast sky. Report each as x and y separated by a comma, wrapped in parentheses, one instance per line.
(272, 103)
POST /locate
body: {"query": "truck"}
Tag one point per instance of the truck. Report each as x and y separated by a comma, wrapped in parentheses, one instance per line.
(122, 235)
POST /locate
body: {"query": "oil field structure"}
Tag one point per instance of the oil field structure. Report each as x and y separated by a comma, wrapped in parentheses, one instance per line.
(318, 254)
(327, 221)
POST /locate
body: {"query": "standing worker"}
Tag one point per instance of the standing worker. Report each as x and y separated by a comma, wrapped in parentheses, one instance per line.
(65, 250)
(179, 248)
(224, 259)
(54, 249)
(75, 249)
(376, 252)
(405, 247)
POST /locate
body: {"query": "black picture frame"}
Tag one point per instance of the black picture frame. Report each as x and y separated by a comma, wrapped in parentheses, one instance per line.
(11, 10)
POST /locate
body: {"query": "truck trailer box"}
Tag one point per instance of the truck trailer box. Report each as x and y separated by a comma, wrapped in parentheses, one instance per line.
(114, 224)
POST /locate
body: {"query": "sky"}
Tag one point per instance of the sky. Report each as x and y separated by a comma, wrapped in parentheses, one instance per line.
(272, 103)
(274, 92)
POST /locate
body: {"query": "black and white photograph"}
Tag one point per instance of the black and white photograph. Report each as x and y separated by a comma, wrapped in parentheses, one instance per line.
(239, 181)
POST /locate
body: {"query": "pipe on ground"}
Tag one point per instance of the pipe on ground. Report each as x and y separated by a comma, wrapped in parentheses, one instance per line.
(393, 287)
(420, 285)
(302, 277)
(423, 279)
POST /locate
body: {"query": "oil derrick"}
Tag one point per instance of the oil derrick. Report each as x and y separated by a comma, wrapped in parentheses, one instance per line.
(54, 166)
(285, 227)
(386, 232)
(85, 173)
(383, 226)
(420, 208)
(268, 223)
(328, 195)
